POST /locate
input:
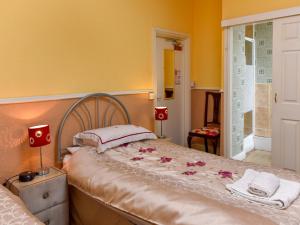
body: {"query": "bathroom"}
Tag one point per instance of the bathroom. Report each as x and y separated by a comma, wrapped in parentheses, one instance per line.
(251, 92)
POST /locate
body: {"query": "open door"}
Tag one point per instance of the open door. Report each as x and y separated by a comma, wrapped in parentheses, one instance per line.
(171, 80)
(170, 88)
(286, 93)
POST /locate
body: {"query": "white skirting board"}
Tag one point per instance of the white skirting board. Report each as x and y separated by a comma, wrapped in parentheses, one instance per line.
(263, 143)
(254, 142)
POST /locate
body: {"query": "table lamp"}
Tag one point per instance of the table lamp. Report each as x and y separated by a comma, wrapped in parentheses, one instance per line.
(161, 113)
(38, 137)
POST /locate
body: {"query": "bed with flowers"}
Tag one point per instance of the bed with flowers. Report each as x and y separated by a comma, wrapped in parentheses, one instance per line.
(142, 181)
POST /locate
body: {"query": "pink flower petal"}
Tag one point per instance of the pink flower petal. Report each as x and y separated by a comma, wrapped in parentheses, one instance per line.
(145, 150)
(189, 164)
(198, 163)
(137, 158)
(189, 173)
(225, 174)
(165, 159)
(124, 145)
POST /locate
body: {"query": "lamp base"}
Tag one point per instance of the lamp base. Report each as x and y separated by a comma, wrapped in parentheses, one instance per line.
(43, 171)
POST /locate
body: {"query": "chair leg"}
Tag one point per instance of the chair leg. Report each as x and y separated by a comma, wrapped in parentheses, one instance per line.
(215, 145)
(189, 141)
(206, 144)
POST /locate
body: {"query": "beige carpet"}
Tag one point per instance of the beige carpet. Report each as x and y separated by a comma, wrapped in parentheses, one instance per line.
(201, 147)
(259, 157)
(255, 156)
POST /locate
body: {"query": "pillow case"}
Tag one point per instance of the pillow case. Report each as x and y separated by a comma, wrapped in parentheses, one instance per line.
(73, 149)
(110, 137)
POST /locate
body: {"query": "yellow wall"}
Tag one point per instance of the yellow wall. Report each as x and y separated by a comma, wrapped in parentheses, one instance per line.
(237, 8)
(206, 57)
(57, 47)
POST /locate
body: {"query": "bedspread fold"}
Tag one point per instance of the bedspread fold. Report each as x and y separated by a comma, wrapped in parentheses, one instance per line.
(13, 210)
(168, 185)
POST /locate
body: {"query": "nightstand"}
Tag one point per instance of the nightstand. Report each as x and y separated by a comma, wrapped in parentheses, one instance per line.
(45, 196)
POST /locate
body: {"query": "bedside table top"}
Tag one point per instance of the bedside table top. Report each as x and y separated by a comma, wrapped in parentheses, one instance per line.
(53, 172)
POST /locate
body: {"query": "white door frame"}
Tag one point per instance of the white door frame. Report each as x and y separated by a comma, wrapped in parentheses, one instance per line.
(275, 14)
(227, 26)
(185, 38)
(227, 92)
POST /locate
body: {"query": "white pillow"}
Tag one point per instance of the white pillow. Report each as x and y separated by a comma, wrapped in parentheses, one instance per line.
(73, 149)
(110, 137)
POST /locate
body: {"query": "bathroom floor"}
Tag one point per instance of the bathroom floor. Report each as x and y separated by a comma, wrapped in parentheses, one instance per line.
(259, 157)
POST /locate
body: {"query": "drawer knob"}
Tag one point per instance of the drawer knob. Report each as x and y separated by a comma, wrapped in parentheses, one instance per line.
(45, 195)
(47, 222)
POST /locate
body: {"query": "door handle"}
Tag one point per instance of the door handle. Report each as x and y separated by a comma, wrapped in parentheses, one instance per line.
(275, 98)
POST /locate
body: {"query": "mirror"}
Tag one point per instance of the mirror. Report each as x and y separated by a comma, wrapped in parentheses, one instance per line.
(169, 70)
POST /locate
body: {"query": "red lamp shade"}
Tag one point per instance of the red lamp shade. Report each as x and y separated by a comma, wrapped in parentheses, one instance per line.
(161, 113)
(39, 135)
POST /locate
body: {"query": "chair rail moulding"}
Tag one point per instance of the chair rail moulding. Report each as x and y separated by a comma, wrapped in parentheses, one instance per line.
(208, 89)
(67, 96)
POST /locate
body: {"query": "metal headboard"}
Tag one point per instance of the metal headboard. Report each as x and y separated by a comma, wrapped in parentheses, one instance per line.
(80, 110)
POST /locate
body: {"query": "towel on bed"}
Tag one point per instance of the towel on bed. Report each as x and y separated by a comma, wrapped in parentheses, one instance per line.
(264, 184)
(287, 192)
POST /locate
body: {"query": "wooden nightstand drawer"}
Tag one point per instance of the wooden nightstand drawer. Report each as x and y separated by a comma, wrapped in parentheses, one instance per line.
(57, 215)
(44, 195)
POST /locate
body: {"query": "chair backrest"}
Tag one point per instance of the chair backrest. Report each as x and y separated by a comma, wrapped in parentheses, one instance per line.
(216, 107)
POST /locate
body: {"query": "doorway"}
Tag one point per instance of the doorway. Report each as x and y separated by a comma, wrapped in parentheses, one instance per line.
(251, 88)
(172, 83)
(285, 89)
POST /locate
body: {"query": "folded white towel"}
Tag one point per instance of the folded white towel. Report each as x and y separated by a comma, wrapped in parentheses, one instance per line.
(264, 184)
(287, 192)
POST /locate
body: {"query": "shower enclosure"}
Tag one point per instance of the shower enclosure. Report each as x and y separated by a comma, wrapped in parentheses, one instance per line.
(251, 81)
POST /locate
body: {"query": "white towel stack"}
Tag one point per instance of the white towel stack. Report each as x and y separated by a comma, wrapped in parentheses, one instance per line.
(264, 188)
(264, 184)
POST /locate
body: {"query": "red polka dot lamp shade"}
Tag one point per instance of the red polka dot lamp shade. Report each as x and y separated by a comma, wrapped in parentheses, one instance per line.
(39, 135)
(161, 113)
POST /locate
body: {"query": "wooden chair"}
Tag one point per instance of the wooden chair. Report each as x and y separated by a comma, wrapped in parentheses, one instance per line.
(211, 129)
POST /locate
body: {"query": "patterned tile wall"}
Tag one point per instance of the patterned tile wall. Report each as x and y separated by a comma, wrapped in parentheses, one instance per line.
(264, 42)
(238, 82)
(263, 92)
(263, 51)
(263, 110)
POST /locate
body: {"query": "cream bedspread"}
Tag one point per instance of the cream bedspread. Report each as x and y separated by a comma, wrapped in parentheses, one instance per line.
(13, 211)
(167, 184)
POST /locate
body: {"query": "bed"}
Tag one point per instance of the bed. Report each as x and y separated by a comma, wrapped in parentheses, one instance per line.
(170, 184)
(13, 211)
